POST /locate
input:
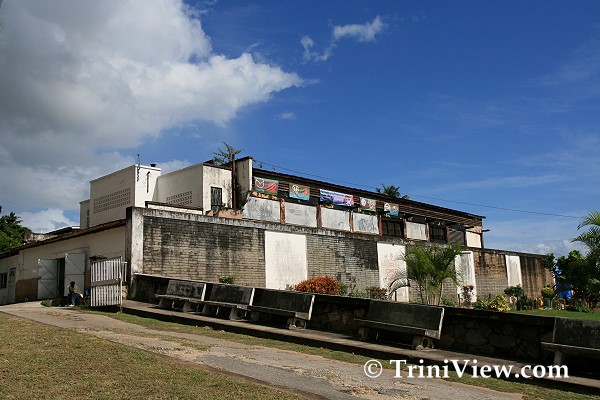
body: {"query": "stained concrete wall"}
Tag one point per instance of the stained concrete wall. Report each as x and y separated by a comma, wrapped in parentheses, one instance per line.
(534, 275)
(188, 246)
(335, 219)
(190, 249)
(365, 223)
(219, 178)
(353, 262)
(298, 214)
(262, 210)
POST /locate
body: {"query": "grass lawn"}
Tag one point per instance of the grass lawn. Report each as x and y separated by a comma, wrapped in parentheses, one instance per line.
(563, 313)
(39, 361)
(528, 391)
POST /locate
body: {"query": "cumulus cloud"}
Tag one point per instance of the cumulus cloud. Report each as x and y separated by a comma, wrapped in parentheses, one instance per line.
(361, 32)
(46, 220)
(83, 80)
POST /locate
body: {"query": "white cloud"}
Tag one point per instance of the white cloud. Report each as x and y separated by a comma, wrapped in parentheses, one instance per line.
(46, 220)
(360, 32)
(308, 55)
(287, 116)
(173, 165)
(541, 235)
(82, 80)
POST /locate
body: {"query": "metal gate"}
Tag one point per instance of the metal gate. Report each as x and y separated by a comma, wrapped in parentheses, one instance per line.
(48, 279)
(106, 282)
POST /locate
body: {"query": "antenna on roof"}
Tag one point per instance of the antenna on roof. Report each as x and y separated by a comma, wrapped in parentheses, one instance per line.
(138, 168)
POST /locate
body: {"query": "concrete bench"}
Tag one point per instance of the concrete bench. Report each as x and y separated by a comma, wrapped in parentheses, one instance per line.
(423, 322)
(186, 292)
(574, 337)
(297, 306)
(231, 298)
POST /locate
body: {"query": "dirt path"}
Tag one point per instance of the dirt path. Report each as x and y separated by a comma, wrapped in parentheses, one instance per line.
(312, 375)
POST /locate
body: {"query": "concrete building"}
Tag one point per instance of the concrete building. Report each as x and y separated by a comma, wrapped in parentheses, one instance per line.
(266, 228)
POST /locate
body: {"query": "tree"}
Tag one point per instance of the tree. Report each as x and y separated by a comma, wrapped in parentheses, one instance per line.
(227, 155)
(430, 266)
(591, 238)
(391, 190)
(12, 234)
(576, 272)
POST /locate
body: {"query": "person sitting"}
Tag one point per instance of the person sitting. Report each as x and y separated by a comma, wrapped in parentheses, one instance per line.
(74, 294)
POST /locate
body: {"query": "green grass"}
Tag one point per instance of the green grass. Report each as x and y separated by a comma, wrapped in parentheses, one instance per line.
(39, 361)
(529, 391)
(563, 313)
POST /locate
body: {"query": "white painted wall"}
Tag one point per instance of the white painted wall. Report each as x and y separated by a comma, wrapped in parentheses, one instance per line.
(513, 270)
(216, 177)
(391, 267)
(365, 223)
(465, 273)
(298, 214)
(84, 214)
(109, 243)
(111, 194)
(285, 259)
(262, 210)
(6, 264)
(335, 219)
(416, 231)
(182, 187)
(473, 239)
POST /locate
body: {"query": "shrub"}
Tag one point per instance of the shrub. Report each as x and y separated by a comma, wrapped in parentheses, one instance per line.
(319, 284)
(498, 303)
(377, 293)
(343, 289)
(547, 292)
(229, 279)
(516, 291)
(448, 302)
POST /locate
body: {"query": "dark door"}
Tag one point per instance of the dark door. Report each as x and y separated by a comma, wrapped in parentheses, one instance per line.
(216, 199)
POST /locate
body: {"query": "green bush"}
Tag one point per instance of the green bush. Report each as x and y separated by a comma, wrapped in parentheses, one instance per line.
(547, 292)
(498, 303)
(343, 289)
(228, 279)
(377, 293)
(516, 291)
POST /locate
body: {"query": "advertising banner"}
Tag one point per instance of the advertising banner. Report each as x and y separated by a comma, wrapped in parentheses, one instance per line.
(299, 192)
(337, 198)
(267, 186)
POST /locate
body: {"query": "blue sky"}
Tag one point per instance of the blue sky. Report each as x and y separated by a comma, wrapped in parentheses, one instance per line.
(484, 107)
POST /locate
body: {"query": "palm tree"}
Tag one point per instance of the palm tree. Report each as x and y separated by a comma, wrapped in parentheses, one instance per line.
(430, 266)
(391, 190)
(591, 238)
